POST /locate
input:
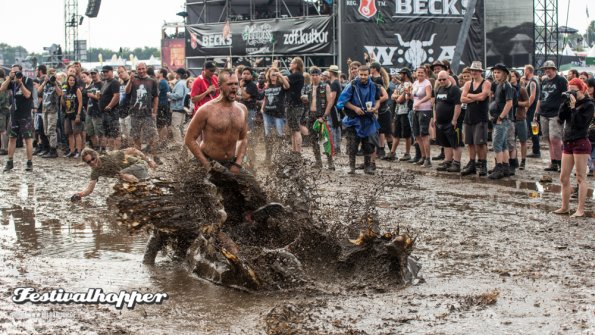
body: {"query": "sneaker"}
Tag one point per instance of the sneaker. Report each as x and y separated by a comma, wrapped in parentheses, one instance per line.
(421, 161)
(3, 152)
(77, 154)
(69, 154)
(380, 153)
(427, 163)
(574, 194)
(29, 166)
(454, 167)
(369, 170)
(391, 156)
(9, 166)
(38, 150)
(552, 168)
(439, 157)
(414, 159)
(360, 166)
(360, 152)
(405, 157)
(444, 166)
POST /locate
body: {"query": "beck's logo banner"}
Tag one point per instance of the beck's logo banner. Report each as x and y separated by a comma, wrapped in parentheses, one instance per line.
(290, 36)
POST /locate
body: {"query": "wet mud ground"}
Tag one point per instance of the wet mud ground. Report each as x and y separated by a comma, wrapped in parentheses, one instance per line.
(494, 261)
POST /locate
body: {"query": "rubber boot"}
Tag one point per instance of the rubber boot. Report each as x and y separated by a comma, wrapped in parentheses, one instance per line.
(513, 164)
(483, 168)
(522, 165)
(351, 164)
(469, 169)
(417, 154)
(368, 165)
(316, 150)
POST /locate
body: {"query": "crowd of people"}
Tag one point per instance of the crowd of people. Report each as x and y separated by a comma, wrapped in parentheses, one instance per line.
(149, 110)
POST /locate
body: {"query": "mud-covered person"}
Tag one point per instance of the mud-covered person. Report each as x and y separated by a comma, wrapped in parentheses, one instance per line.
(223, 128)
(129, 165)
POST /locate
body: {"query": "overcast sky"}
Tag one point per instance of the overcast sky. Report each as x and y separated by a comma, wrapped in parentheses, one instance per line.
(137, 23)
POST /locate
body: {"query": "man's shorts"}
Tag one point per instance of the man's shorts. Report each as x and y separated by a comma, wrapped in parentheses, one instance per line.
(449, 137)
(500, 134)
(163, 116)
(139, 170)
(510, 137)
(577, 147)
(24, 127)
(94, 126)
(384, 119)
(71, 127)
(294, 117)
(143, 128)
(475, 134)
(550, 127)
(4, 120)
(402, 127)
(111, 124)
(422, 126)
(521, 131)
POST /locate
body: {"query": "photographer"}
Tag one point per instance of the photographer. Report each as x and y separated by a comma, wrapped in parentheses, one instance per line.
(577, 114)
(21, 121)
(52, 92)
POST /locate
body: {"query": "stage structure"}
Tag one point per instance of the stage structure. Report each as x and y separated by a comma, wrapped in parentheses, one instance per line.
(546, 31)
(397, 33)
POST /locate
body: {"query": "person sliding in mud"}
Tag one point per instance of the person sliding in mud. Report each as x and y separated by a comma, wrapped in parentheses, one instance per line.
(223, 128)
(126, 164)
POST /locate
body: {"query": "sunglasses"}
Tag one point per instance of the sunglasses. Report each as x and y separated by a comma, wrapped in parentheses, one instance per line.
(89, 162)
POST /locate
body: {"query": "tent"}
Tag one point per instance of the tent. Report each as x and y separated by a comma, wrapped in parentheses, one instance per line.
(568, 51)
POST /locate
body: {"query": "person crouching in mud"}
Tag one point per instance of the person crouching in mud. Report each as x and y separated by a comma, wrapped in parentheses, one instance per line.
(223, 128)
(127, 164)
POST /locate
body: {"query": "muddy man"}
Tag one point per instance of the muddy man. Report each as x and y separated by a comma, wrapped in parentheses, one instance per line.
(222, 127)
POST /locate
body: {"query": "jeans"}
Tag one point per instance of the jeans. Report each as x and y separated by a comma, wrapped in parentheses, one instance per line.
(410, 117)
(271, 122)
(336, 134)
(500, 135)
(50, 123)
(177, 126)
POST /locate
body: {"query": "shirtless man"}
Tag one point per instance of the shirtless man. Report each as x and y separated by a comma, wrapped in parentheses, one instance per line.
(223, 125)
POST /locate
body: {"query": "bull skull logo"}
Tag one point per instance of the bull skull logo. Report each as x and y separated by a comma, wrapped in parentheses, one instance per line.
(367, 8)
(416, 54)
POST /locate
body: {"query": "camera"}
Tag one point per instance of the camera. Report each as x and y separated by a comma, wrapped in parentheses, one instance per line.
(19, 75)
(52, 80)
(567, 95)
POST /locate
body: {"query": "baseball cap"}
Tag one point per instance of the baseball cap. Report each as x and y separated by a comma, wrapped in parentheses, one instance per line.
(210, 66)
(106, 68)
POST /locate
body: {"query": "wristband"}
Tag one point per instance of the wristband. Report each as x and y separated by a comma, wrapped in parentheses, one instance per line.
(236, 165)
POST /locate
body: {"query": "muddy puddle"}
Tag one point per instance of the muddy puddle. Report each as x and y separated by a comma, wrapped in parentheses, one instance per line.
(493, 261)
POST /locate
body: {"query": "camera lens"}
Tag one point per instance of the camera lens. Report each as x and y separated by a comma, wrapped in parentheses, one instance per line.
(18, 75)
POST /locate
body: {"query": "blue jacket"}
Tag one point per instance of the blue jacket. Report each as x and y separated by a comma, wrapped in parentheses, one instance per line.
(358, 94)
(177, 95)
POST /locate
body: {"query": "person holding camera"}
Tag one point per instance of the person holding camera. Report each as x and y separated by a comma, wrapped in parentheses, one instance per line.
(576, 114)
(52, 93)
(5, 104)
(21, 121)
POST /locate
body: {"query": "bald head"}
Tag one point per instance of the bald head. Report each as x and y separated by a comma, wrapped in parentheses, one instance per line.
(443, 79)
(141, 69)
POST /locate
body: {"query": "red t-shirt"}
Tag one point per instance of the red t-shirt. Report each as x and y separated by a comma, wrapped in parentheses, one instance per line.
(200, 86)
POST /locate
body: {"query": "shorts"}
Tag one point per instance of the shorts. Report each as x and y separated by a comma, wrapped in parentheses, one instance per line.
(449, 137)
(24, 127)
(402, 127)
(581, 146)
(521, 131)
(500, 135)
(163, 116)
(273, 123)
(294, 117)
(475, 134)
(421, 123)
(111, 124)
(4, 120)
(510, 137)
(94, 126)
(550, 127)
(139, 170)
(384, 119)
(143, 128)
(71, 127)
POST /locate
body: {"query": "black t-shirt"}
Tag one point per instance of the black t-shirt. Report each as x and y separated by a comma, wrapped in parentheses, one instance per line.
(296, 83)
(275, 97)
(551, 95)
(336, 87)
(124, 102)
(92, 104)
(108, 90)
(252, 90)
(447, 98)
(380, 84)
(71, 103)
(22, 105)
(502, 94)
(142, 94)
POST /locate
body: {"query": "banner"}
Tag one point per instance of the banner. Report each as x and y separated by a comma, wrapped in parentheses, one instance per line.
(173, 53)
(409, 33)
(288, 36)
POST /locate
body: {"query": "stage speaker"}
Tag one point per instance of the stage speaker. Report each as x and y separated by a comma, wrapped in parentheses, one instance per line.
(93, 8)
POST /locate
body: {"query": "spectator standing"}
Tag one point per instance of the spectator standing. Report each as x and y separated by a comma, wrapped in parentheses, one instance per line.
(108, 103)
(176, 97)
(52, 91)
(72, 103)
(205, 87)
(163, 109)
